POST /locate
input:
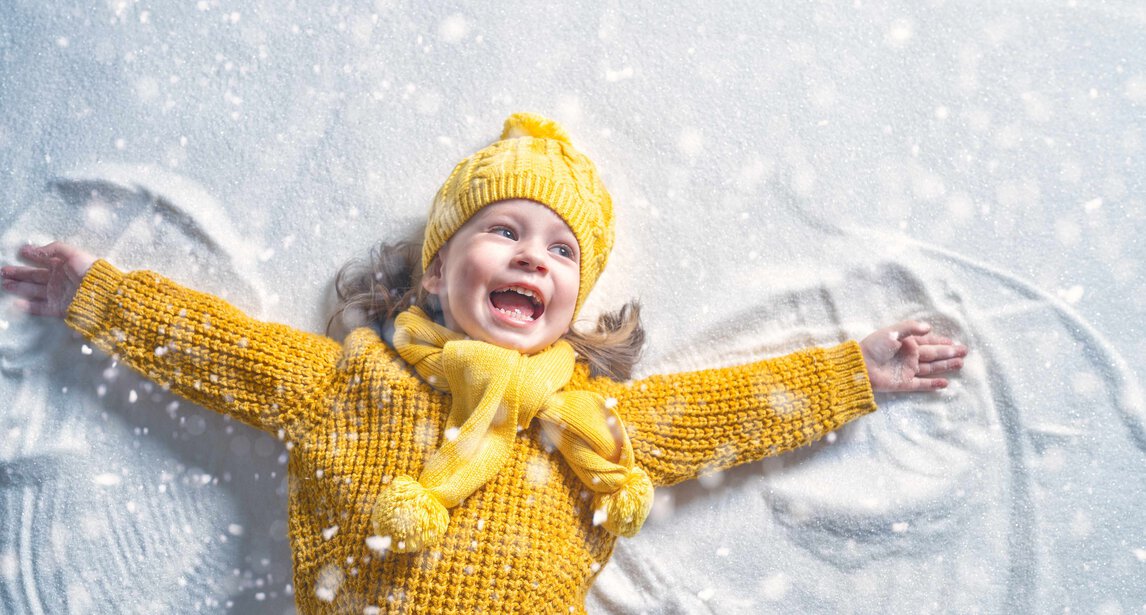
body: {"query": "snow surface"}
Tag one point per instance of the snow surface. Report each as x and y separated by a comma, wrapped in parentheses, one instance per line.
(785, 173)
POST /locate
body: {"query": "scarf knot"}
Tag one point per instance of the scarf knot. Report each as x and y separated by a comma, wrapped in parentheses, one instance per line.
(495, 392)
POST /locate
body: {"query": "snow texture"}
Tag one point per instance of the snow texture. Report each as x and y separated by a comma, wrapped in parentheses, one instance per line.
(786, 174)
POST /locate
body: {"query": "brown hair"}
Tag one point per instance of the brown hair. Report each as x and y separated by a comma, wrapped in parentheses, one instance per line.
(376, 289)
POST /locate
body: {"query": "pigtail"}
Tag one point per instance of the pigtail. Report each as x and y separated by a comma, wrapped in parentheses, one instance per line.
(614, 347)
(373, 290)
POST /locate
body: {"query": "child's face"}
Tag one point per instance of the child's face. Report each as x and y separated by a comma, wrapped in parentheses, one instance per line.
(509, 276)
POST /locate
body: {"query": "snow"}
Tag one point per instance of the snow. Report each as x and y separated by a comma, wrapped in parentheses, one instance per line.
(378, 543)
(818, 170)
(107, 479)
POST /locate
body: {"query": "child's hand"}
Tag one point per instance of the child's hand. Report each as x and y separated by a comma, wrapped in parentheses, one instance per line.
(47, 288)
(904, 357)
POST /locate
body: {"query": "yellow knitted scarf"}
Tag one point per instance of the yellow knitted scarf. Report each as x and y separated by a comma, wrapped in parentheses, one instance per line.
(497, 392)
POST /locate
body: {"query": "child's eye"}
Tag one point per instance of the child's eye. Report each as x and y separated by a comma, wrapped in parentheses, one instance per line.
(504, 231)
(562, 250)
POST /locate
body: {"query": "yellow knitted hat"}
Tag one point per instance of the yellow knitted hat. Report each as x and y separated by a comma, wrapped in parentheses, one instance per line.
(533, 160)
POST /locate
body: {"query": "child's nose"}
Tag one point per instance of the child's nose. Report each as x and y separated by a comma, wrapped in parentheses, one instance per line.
(531, 257)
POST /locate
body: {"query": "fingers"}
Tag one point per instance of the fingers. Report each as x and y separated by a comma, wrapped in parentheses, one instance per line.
(46, 289)
(47, 255)
(27, 290)
(907, 357)
(930, 352)
(926, 384)
(58, 255)
(938, 355)
(939, 367)
(36, 275)
(26, 282)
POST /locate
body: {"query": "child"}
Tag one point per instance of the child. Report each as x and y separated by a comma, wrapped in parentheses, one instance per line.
(473, 460)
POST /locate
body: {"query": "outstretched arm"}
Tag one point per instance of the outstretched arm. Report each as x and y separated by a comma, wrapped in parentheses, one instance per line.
(687, 424)
(196, 344)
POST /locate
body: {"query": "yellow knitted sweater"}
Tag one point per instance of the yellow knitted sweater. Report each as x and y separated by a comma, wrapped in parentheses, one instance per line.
(354, 416)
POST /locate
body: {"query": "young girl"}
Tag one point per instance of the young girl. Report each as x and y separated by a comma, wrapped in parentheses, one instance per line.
(470, 451)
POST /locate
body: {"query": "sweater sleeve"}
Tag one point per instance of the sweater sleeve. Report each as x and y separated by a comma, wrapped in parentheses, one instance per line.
(202, 348)
(692, 423)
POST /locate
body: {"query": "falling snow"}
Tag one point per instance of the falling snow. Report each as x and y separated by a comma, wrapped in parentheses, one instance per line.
(378, 544)
(783, 176)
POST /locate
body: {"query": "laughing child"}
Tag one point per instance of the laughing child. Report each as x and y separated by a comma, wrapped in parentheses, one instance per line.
(475, 451)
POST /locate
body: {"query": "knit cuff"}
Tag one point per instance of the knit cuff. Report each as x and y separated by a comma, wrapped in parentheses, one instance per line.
(852, 394)
(86, 313)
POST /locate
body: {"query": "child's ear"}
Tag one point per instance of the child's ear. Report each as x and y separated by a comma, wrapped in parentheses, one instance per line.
(432, 277)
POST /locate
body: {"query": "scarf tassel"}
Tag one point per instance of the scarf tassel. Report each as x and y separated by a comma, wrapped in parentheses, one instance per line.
(624, 511)
(410, 515)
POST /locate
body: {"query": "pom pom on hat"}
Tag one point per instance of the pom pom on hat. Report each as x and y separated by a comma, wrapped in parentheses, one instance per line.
(533, 125)
(626, 509)
(410, 515)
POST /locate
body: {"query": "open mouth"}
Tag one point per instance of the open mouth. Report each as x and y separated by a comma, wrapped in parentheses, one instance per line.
(518, 303)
